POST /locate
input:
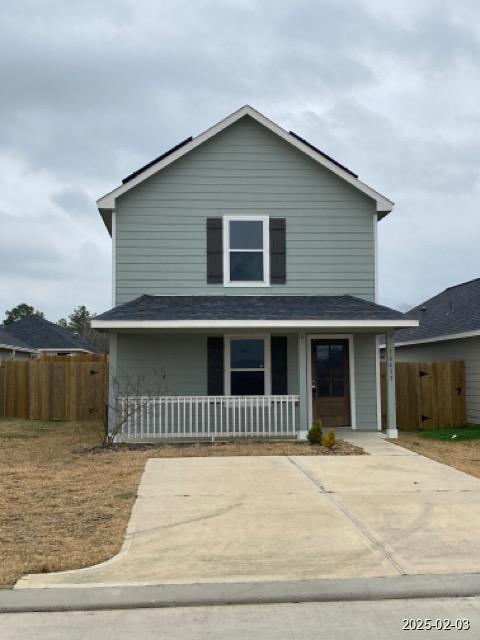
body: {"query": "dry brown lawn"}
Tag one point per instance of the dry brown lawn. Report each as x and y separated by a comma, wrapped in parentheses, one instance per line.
(65, 501)
(464, 456)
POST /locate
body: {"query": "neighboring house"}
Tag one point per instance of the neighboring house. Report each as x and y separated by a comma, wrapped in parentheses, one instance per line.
(244, 268)
(45, 337)
(449, 330)
(12, 348)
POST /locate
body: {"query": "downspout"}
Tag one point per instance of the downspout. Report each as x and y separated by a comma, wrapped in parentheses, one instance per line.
(114, 242)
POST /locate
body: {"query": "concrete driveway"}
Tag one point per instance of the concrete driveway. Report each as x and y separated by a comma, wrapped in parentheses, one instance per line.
(291, 518)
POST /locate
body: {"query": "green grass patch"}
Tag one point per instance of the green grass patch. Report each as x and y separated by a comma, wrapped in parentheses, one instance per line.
(19, 429)
(128, 495)
(454, 434)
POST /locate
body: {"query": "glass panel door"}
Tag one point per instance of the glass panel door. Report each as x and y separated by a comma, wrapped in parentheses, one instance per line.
(330, 381)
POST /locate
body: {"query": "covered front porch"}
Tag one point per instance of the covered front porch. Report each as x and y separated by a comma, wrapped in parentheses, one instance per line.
(201, 367)
(188, 385)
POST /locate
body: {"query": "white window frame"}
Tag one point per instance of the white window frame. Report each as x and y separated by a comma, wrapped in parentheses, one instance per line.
(226, 251)
(266, 360)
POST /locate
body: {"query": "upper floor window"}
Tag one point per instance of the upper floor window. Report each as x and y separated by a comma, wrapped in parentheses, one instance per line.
(246, 251)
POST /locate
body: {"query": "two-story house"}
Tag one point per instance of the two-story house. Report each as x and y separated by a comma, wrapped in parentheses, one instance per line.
(244, 289)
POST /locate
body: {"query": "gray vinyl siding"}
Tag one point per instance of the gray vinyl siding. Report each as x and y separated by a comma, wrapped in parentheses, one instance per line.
(466, 349)
(365, 380)
(164, 364)
(161, 223)
(181, 359)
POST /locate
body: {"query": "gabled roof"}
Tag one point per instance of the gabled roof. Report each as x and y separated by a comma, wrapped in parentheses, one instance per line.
(450, 314)
(322, 153)
(12, 342)
(209, 311)
(106, 204)
(44, 335)
(150, 164)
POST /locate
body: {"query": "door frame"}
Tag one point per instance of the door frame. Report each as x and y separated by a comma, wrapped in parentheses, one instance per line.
(351, 372)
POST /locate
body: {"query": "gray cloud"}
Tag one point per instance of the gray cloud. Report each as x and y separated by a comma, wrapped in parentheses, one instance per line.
(74, 201)
(90, 91)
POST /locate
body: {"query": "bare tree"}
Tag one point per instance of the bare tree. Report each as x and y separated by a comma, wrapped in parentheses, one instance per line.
(128, 395)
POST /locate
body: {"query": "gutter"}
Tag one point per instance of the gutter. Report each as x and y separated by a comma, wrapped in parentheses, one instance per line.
(242, 324)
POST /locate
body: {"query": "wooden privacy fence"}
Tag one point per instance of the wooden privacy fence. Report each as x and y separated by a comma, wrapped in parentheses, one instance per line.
(430, 395)
(53, 389)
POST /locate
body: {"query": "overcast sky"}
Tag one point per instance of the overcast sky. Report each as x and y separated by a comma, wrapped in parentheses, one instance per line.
(92, 90)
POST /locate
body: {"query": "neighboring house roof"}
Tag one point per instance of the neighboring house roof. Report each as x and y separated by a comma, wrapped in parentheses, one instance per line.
(10, 341)
(209, 311)
(454, 313)
(44, 335)
(106, 204)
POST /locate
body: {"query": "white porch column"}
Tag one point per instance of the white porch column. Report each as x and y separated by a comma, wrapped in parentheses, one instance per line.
(302, 387)
(112, 375)
(392, 431)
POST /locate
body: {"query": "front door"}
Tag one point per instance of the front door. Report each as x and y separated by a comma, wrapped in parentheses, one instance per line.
(331, 382)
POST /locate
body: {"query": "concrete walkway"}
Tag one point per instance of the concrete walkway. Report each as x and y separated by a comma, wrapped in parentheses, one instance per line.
(248, 519)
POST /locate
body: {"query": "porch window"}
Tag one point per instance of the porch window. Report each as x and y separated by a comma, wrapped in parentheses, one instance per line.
(246, 251)
(246, 366)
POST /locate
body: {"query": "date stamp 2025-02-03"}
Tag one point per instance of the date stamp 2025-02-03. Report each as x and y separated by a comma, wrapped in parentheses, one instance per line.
(435, 624)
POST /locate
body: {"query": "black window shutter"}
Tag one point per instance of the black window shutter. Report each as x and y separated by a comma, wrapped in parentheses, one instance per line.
(278, 251)
(278, 347)
(214, 251)
(215, 366)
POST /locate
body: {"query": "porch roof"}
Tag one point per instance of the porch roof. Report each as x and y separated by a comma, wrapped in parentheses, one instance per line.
(250, 311)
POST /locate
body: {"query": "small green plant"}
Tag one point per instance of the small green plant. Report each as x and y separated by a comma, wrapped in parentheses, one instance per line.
(329, 440)
(314, 434)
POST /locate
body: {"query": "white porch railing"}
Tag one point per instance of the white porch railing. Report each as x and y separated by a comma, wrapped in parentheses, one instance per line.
(207, 417)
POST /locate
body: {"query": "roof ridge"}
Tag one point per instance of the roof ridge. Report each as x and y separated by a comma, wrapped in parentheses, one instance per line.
(462, 284)
(440, 293)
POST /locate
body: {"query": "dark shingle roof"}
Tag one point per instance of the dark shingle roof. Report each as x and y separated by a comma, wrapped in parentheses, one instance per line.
(152, 162)
(319, 151)
(136, 173)
(42, 334)
(455, 310)
(10, 340)
(250, 308)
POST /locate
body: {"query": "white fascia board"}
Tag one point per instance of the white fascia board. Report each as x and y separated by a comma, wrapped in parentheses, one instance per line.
(239, 324)
(60, 349)
(449, 336)
(14, 348)
(384, 205)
